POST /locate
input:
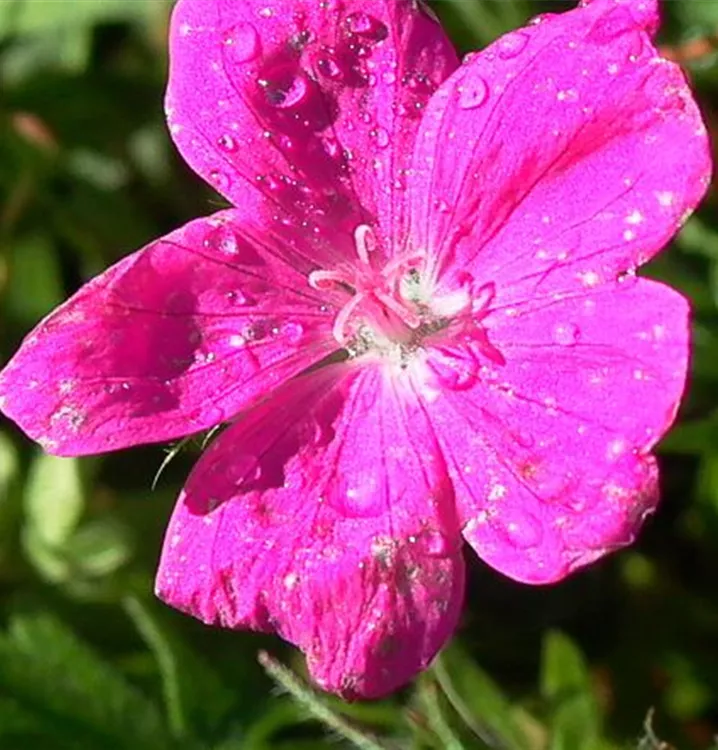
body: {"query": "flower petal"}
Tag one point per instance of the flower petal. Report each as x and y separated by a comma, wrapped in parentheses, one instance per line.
(564, 154)
(314, 104)
(171, 340)
(325, 514)
(550, 451)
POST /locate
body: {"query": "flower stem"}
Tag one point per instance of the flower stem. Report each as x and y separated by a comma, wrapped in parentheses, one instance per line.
(309, 699)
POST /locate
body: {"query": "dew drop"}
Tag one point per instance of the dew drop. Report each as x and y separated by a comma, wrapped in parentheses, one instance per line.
(286, 89)
(219, 179)
(512, 44)
(364, 25)
(566, 334)
(473, 94)
(330, 68)
(236, 297)
(519, 529)
(293, 332)
(222, 238)
(227, 143)
(243, 41)
(525, 439)
(432, 542)
(380, 136)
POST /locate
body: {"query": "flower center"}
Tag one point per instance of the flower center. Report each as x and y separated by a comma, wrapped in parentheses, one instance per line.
(376, 303)
(392, 308)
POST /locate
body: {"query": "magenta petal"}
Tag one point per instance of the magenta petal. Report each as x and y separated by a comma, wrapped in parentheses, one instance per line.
(171, 340)
(550, 451)
(326, 515)
(314, 104)
(565, 153)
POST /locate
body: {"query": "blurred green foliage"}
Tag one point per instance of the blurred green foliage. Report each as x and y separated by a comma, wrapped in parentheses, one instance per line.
(89, 660)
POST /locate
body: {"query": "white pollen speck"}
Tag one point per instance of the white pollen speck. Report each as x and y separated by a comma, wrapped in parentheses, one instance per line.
(175, 540)
(237, 340)
(290, 580)
(568, 95)
(616, 448)
(665, 198)
(635, 217)
(497, 492)
(629, 235)
(589, 278)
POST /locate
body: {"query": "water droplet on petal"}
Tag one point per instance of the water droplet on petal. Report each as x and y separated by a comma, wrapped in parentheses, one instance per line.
(520, 529)
(525, 439)
(367, 26)
(293, 332)
(433, 543)
(512, 44)
(381, 136)
(219, 179)
(566, 334)
(330, 68)
(227, 143)
(285, 89)
(473, 93)
(243, 41)
(224, 239)
(237, 297)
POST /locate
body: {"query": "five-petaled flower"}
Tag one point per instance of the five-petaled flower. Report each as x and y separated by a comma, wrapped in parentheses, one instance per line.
(420, 316)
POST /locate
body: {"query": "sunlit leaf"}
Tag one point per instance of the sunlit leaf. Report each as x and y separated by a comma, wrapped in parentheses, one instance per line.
(50, 675)
(477, 699)
(566, 685)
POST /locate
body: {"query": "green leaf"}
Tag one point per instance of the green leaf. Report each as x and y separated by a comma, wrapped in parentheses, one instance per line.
(477, 699)
(9, 490)
(436, 714)
(566, 686)
(18, 17)
(698, 238)
(54, 499)
(195, 699)
(694, 437)
(35, 285)
(50, 675)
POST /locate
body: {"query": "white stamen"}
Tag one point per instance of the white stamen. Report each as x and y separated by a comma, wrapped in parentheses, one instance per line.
(365, 242)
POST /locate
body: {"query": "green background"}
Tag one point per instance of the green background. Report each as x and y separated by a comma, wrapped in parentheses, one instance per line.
(89, 660)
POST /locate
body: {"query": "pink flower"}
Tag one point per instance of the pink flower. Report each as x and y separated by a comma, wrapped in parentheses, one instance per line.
(421, 316)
